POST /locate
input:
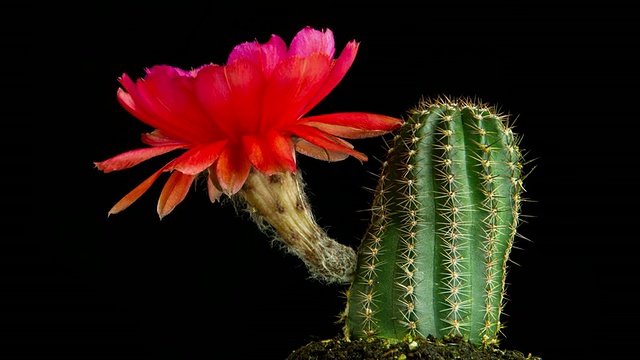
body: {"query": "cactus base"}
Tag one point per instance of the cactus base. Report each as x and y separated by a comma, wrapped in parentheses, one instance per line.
(418, 348)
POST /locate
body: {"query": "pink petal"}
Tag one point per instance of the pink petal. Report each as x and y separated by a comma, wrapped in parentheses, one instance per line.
(174, 191)
(232, 95)
(265, 57)
(309, 41)
(293, 83)
(306, 148)
(270, 153)
(132, 196)
(338, 71)
(327, 141)
(196, 160)
(353, 125)
(232, 169)
(134, 157)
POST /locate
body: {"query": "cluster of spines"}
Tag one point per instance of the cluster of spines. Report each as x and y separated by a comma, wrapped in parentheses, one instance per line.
(444, 189)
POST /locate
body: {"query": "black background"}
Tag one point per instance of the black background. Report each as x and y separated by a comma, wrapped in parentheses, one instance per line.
(204, 283)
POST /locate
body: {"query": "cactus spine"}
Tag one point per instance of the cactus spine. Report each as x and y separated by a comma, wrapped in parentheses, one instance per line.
(445, 213)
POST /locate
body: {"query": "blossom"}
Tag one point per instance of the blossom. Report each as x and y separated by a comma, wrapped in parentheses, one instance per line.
(247, 115)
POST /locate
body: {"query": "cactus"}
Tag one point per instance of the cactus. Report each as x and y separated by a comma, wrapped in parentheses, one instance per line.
(444, 218)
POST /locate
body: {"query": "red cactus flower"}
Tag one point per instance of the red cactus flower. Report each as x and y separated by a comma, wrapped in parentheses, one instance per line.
(247, 114)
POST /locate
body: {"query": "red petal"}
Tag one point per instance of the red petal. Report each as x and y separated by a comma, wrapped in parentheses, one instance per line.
(306, 148)
(327, 141)
(232, 95)
(174, 191)
(293, 83)
(338, 71)
(270, 153)
(128, 103)
(232, 169)
(157, 138)
(134, 157)
(353, 125)
(132, 196)
(214, 94)
(196, 160)
(145, 106)
(175, 99)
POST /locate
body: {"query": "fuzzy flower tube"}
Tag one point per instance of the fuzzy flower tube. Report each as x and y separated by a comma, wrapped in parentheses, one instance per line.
(240, 125)
(445, 215)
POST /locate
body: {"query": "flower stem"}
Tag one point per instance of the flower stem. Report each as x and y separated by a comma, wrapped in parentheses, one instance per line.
(279, 200)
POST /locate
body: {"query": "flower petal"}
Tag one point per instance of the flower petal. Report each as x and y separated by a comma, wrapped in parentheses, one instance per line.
(157, 138)
(198, 159)
(212, 188)
(354, 125)
(270, 153)
(175, 97)
(232, 169)
(293, 83)
(232, 96)
(142, 103)
(264, 56)
(309, 41)
(134, 157)
(128, 103)
(306, 148)
(338, 71)
(134, 194)
(326, 141)
(173, 192)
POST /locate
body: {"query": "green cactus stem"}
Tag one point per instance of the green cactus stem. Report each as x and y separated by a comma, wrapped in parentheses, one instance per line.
(445, 213)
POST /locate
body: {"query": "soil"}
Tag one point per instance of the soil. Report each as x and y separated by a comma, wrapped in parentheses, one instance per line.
(419, 348)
